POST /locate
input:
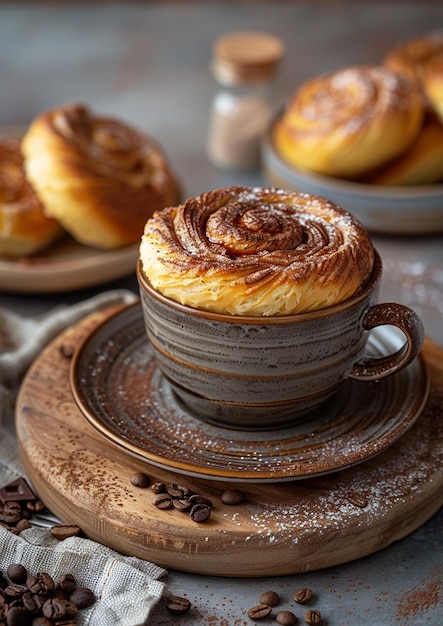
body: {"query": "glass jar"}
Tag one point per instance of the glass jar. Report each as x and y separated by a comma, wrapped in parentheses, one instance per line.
(244, 65)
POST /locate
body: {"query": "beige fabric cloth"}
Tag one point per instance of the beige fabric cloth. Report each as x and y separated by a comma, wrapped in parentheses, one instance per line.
(127, 587)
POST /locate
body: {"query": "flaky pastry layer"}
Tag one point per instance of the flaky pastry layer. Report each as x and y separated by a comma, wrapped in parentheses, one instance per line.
(100, 178)
(350, 121)
(24, 228)
(256, 252)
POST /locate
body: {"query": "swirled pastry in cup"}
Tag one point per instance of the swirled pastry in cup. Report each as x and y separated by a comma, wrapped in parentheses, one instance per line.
(100, 178)
(421, 59)
(256, 252)
(350, 121)
(24, 228)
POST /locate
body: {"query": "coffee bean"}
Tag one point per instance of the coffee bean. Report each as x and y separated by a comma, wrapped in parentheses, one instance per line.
(269, 597)
(158, 487)
(198, 499)
(40, 583)
(41, 620)
(12, 592)
(18, 616)
(82, 597)
(260, 611)
(181, 504)
(177, 491)
(140, 479)
(22, 524)
(178, 605)
(3, 607)
(64, 531)
(162, 501)
(313, 616)
(59, 607)
(358, 499)
(12, 512)
(67, 583)
(233, 496)
(200, 512)
(17, 573)
(29, 603)
(303, 595)
(286, 618)
(35, 506)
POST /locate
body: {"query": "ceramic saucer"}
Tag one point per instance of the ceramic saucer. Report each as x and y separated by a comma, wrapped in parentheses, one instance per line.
(122, 393)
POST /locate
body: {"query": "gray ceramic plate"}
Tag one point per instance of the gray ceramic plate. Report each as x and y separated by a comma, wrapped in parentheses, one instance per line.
(121, 392)
(381, 209)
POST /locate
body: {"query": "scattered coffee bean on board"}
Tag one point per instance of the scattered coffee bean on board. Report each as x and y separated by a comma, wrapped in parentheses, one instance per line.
(303, 595)
(162, 500)
(260, 611)
(233, 497)
(140, 479)
(177, 605)
(200, 512)
(180, 497)
(286, 618)
(313, 616)
(158, 487)
(269, 597)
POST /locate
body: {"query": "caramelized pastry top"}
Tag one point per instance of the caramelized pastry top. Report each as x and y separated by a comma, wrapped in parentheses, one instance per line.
(256, 252)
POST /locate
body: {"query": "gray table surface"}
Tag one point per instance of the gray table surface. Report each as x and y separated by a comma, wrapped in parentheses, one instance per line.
(148, 63)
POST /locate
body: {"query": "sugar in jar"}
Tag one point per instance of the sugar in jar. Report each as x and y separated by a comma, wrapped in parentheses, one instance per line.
(244, 65)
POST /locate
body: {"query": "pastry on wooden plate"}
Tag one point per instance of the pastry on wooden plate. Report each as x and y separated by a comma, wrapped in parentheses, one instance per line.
(350, 121)
(99, 177)
(256, 252)
(24, 227)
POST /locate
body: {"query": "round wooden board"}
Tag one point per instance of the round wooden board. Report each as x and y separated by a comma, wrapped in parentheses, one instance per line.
(282, 528)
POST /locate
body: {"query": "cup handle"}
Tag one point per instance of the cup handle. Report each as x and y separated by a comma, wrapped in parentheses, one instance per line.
(409, 323)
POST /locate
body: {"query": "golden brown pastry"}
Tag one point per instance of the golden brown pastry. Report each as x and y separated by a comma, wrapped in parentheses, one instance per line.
(350, 121)
(433, 86)
(420, 164)
(421, 59)
(24, 228)
(256, 252)
(97, 176)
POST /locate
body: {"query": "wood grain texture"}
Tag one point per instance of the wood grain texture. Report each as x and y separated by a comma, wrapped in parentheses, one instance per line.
(282, 528)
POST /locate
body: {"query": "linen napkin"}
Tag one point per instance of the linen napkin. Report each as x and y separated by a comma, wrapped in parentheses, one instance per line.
(127, 588)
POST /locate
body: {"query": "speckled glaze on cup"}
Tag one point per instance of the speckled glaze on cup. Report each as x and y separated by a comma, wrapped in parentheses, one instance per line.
(256, 372)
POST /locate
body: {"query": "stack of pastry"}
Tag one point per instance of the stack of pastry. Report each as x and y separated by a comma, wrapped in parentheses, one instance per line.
(24, 227)
(381, 124)
(95, 178)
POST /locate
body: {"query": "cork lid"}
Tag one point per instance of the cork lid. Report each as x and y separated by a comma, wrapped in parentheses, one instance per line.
(246, 57)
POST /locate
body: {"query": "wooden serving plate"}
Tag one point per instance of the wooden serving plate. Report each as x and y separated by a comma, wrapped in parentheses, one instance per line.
(282, 528)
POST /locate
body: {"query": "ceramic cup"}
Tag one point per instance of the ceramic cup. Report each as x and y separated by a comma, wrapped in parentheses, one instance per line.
(255, 372)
